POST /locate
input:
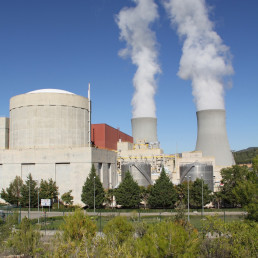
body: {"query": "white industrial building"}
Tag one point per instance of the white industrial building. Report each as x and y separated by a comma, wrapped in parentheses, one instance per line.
(48, 135)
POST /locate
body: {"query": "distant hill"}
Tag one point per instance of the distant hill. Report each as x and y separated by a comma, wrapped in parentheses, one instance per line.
(245, 156)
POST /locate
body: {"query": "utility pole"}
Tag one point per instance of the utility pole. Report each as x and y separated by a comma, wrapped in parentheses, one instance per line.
(29, 199)
(202, 196)
(94, 194)
(188, 206)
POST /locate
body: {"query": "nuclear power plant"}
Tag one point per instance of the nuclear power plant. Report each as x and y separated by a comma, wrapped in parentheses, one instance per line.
(49, 134)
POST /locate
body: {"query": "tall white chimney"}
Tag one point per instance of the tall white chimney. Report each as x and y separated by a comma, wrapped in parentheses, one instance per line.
(212, 137)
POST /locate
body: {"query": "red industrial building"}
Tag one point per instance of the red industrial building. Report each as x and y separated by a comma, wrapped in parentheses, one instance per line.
(104, 136)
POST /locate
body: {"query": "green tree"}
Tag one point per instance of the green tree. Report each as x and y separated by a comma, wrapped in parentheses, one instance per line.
(181, 191)
(48, 190)
(25, 241)
(231, 178)
(78, 233)
(12, 194)
(118, 230)
(128, 192)
(234, 239)
(144, 194)
(255, 164)
(168, 239)
(196, 193)
(67, 198)
(29, 191)
(87, 195)
(163, 193)
(239, 186)
(76, 226)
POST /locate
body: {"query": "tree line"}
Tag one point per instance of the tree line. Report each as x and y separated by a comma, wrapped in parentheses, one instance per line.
(28, 193)
(238, 188)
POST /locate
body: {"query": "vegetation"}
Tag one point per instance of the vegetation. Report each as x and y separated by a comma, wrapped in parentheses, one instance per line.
(127, 237)
(48, 190)
(12, 194)
(29, 193)
(26, 240)
(67, 198)
(163, 193)
(198, 189)
(128, 192)
(245, 156)
(92, 184)
(239, 186)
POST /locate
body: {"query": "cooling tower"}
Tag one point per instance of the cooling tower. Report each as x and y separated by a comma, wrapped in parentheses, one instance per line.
(144, 129)
(212, 137)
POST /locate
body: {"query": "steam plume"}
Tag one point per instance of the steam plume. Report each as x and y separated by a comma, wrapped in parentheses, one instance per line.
(205, 59)
(134, 24)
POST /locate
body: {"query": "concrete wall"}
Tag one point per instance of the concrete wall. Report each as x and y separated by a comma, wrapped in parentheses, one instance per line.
(48, 120)
(69, 167)
(4, 132)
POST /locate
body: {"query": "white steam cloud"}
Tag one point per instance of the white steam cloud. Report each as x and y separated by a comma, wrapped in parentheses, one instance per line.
(134, 24)
(205, 59)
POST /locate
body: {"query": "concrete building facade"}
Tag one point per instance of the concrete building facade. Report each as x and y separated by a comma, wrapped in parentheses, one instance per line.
(49, 138)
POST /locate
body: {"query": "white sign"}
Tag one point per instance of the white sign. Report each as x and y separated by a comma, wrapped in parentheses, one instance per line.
(45, 202)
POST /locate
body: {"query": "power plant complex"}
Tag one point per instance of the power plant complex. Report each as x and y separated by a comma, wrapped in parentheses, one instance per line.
(49, 134)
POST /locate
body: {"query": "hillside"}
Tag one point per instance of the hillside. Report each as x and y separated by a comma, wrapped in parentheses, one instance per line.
(245, 156)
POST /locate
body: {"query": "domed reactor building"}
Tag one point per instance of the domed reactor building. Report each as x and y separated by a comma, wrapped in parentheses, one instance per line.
(48, 135)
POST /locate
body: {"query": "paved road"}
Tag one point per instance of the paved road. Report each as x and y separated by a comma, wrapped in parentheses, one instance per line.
(35, 214)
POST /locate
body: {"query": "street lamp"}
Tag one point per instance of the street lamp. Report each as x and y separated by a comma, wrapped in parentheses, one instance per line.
(94, 194)
(202, 196)
(38, 199)
(29, 200)
(188, 206)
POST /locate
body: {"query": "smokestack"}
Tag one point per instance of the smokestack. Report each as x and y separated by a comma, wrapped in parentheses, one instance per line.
(144, 128)
(212, 137)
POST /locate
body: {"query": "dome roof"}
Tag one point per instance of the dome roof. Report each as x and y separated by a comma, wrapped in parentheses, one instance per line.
(50, 91)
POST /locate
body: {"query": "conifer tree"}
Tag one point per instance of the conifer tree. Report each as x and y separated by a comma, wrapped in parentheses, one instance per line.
(87, 195)
(196, 193)
(12, 194)
(163, 193)
(29, 192)
(48, 190)
(128, 192)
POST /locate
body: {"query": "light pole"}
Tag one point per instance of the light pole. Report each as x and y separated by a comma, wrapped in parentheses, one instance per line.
(202, 196)
(189, 177)
(94, 194)
(29, 199)
(38, 200)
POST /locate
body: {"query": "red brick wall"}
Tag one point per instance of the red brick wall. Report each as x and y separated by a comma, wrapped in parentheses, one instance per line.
(106, 137)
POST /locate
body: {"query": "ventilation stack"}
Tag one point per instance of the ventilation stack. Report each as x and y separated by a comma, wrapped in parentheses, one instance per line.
(144, 129)
(212, 137)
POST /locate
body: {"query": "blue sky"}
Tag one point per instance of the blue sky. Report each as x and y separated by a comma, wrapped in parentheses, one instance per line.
(65, 44)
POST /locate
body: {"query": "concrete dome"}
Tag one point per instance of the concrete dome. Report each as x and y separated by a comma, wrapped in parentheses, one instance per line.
(50, 91)
(48, 119)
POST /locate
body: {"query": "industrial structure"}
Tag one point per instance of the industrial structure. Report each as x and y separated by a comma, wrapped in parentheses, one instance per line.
(48, 135)
(212, 151)
(104, 136)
